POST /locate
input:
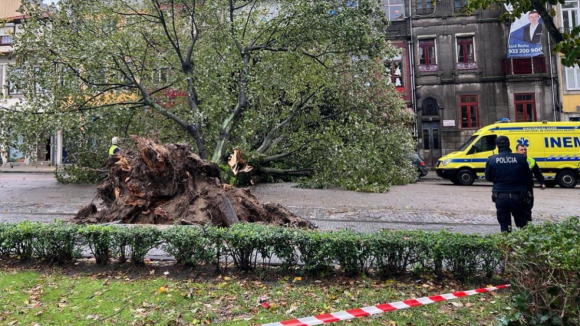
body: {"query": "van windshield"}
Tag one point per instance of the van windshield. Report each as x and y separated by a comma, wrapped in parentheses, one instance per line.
(467, 143)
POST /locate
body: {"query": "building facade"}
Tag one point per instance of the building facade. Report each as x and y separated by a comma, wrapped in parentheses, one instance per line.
(569, 82)
(461, 76)
(46, 149)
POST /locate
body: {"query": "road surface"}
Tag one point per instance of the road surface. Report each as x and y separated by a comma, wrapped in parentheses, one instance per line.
(429, 205)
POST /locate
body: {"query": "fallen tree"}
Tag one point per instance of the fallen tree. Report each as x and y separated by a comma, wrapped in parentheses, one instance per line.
(152, 183)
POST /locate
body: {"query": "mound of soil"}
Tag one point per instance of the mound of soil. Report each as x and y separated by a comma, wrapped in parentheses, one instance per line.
(152, 183)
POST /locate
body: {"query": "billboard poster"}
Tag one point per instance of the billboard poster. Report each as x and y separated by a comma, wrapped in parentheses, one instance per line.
(525, 40)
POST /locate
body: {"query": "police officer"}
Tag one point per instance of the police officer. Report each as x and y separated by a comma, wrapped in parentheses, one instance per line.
(510, 175)
(114, 149)
(522, 149)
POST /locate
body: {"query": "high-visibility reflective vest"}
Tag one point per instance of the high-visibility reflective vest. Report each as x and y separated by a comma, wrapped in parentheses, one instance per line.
(113, 150)
(531, 162)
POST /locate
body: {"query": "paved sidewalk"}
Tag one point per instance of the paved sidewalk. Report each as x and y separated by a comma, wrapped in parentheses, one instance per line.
(23, 168)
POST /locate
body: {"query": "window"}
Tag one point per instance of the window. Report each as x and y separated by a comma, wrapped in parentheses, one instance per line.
(484, 144)
(159, 76)
(426, 140)
(13, 87)
(427, 60)
(571, 19)
(465, 49)
(570, 13)
(394, 9)
(427, 143)
(5, 39)
(465, 53)
(66, 76)
(430, 107)
(424, 6)
(469, 111)
(573, 78)
(525, 107)
(395, 70)
(38, 74)
(459, 4)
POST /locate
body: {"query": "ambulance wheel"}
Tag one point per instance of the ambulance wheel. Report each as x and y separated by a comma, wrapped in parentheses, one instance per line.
(567, 179)
(465, 177)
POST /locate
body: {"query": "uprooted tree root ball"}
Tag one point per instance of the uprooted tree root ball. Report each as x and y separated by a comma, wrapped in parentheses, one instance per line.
(169, 184)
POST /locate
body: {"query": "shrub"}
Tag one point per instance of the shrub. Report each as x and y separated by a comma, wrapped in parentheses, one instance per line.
(392, 251)
(6, 245)
(20, 239)
(543, 263)
(189, 245)
(141, 239)
(284, 248)
(99, 239)
(57, 242)
(245, 242)
(316, 252)
(352, 251)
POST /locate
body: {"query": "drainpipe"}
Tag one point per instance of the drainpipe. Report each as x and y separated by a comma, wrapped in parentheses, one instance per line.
(555, 96)
(412, 70)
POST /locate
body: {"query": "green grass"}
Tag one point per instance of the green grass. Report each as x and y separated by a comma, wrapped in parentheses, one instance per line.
(87, 295)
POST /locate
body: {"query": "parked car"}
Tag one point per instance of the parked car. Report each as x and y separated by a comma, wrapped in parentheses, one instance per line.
(418, 162)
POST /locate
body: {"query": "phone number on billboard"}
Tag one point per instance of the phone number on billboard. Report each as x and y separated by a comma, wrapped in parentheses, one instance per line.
(519, 51)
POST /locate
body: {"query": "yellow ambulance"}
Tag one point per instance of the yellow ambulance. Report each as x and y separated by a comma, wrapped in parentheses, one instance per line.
(554, 145)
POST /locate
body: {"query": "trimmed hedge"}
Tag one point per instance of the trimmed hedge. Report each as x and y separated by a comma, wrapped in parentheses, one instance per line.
(542, 261)
(252, 246)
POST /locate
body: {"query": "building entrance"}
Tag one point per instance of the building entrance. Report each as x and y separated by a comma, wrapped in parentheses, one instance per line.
(431, 142)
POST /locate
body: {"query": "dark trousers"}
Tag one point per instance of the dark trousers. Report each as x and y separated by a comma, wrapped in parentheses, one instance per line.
(508, 204)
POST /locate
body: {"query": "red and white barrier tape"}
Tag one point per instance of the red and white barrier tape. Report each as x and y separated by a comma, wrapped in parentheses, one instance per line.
(380, 308)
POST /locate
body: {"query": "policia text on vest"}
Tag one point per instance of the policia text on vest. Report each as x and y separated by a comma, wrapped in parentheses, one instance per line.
(555, 146)
(511, 176)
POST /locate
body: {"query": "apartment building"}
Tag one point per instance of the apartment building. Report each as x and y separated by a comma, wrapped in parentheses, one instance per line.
(569, 82)
(46, 149)
(462, 76)
(10, 21)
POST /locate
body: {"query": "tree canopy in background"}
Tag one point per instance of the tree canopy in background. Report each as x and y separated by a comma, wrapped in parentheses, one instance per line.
(299, 86)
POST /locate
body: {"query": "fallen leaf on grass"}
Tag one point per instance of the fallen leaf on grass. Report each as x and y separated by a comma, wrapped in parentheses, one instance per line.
(161, 290)
(262, 298)
(293, 307)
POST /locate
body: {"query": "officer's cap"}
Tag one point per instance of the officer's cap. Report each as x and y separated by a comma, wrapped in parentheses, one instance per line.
(502, 141)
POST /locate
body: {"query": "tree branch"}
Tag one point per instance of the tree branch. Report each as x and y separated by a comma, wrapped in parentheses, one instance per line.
(268, 140)
(282, 172)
